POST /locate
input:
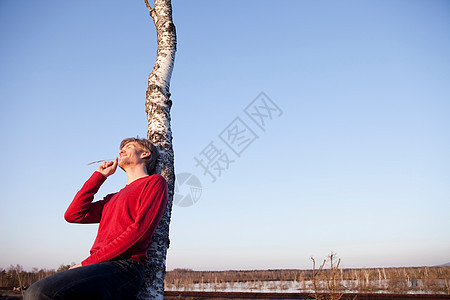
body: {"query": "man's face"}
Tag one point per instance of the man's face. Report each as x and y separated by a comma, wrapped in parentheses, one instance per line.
(131, 154)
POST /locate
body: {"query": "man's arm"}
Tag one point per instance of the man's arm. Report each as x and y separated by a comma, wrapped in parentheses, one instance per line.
(82, 210)
(148, 217)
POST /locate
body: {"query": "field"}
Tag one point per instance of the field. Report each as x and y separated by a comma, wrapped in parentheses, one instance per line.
(332, 281)
(322, 282)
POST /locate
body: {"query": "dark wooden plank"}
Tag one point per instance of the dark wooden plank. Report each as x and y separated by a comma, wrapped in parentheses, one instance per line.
(255, 295)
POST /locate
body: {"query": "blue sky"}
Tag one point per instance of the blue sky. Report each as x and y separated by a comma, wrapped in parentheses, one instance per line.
(357, 163)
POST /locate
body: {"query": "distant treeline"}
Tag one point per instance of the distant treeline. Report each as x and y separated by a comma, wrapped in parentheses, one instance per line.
(16, 276)
(425, 279)
(192, 276)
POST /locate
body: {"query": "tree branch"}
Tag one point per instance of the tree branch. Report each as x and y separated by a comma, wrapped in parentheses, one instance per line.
(151, 10)
(148, 5)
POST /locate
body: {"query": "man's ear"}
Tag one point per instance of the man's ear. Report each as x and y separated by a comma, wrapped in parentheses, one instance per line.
(145, 154)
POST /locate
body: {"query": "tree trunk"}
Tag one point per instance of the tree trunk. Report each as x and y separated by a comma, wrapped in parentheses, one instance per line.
(159, 132)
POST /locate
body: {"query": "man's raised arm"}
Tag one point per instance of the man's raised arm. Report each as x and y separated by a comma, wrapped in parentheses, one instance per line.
(82, 210)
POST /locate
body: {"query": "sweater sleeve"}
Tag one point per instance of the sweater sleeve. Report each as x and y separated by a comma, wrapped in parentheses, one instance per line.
(82, 210)
(153, 204)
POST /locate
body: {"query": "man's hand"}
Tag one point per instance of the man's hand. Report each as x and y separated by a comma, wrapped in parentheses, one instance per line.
(75, 266)
(108, 168)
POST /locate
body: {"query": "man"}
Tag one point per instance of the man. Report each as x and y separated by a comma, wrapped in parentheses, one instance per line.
(128, 219)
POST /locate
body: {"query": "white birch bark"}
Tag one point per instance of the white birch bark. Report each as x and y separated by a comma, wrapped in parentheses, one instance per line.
(159, 132)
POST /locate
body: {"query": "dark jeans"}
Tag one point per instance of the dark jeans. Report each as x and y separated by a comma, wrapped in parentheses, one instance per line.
(120, 279)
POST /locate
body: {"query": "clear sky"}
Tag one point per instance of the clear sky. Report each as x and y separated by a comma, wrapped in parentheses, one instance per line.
(355, 160)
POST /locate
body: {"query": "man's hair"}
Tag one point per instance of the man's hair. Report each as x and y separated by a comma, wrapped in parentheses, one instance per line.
(145, 145)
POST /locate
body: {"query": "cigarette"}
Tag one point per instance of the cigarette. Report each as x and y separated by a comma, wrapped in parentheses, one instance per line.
(99, 161)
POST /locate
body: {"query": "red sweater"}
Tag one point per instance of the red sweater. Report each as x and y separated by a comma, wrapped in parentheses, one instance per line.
(127, 218)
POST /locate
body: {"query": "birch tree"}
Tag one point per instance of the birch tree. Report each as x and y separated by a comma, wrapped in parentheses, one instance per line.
(159, 132)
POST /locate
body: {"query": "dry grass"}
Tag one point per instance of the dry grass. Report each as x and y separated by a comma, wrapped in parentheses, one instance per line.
(328, 277)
